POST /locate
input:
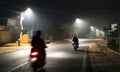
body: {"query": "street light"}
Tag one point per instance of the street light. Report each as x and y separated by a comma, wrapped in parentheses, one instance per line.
(92, 28)
(96, 32)
(28, 12)
(92, 32)
(78, 21)
(76, 25)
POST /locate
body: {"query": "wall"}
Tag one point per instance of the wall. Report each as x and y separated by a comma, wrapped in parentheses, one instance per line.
(5, 36)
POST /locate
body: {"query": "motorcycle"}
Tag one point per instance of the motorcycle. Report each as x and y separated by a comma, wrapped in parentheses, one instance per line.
(37, 59)
(75, 45)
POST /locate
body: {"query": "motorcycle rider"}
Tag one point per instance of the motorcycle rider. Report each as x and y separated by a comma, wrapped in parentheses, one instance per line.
(75, 40)
(39, 44)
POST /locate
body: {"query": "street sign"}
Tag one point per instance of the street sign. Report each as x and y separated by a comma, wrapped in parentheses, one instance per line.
(11, 22)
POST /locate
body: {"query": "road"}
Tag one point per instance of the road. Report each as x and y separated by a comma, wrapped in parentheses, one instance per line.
(60, 58)
(91, 56)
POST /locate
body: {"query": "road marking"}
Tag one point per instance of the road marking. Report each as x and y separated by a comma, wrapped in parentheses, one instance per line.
(17, 67)
(84, 63)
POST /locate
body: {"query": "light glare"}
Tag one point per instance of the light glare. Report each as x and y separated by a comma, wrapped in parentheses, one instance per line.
(28, 12)
(78, 21)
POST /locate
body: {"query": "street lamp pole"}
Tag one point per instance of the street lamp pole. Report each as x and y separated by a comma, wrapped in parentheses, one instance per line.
(77, 23)
(21, 29)
(28, 12)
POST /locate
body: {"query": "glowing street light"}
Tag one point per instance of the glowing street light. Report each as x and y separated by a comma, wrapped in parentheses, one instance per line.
(92, 28)
(77, 25)
(78, 21)
(96, 32)
(28, 12)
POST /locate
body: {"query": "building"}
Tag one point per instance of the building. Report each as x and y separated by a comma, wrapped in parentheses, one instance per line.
(112, 33)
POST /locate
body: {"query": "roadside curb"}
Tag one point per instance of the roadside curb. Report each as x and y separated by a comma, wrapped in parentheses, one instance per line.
(11, 47)
(117, 53)
(10, 51)
(15, 47)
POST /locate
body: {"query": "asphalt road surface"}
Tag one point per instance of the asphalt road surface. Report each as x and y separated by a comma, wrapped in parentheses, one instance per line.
(61, 57)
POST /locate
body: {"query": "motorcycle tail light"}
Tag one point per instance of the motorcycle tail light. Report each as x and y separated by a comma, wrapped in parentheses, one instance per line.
(34, 53)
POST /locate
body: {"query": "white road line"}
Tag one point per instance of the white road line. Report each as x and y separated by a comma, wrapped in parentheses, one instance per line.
(17, 67)
(84, 63)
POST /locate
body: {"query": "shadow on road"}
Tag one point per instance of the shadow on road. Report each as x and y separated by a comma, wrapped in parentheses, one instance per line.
(41, 70)
(89, 51)
(95, 52)
(82, 51)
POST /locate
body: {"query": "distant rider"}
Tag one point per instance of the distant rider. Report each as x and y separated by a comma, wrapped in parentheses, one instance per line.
(75, 40)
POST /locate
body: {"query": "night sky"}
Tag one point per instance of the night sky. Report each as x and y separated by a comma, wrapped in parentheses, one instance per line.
(96, 12)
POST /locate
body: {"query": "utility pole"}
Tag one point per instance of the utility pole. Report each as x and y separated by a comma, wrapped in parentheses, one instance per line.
(21, 28)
